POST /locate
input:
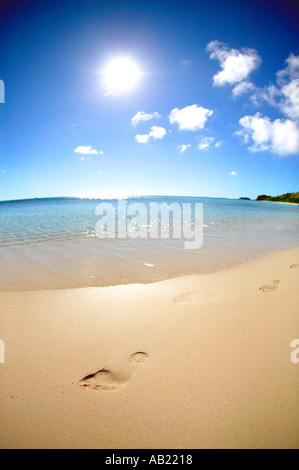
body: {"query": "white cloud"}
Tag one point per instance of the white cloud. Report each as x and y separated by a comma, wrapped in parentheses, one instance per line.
(86, 150)
(142, 138)
(285, 137)
(280, 137)
(236, 65)
(242, 88)
(218, 144)
(233, 173)
(290, 104)
(257, 128)
(155, 133)
(2, 171)
(190, 118)
(183, 148)
(284, 95)
(142, 116)
(290, 72)
(205, 143)
(270, 94)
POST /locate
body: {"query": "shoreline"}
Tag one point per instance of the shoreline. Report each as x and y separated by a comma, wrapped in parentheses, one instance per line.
(48, 268)
(281, 202)
(54, 246)
(200, 361)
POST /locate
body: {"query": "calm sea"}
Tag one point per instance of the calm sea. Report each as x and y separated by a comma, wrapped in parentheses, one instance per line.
(51, 243)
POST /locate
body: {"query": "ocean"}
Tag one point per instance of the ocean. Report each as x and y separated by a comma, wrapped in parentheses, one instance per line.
(52, 243)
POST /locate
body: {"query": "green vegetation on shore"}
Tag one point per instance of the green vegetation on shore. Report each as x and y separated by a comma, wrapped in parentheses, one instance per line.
(288, 197)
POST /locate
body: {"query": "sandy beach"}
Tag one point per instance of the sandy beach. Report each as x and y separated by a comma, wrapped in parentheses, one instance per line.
(194, 362)
(289, 203)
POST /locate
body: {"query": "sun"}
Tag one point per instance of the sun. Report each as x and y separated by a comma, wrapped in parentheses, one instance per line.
(121, 74)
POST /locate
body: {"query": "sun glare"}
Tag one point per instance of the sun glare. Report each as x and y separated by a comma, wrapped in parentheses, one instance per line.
(121, 74)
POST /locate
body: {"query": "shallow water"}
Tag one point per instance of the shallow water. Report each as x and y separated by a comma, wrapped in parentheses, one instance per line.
(52, 243)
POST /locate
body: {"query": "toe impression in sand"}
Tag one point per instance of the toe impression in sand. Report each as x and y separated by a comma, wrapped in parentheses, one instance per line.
(139, 357)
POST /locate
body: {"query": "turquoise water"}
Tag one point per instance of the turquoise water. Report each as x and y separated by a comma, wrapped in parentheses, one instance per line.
(49, 220)
(49, 243)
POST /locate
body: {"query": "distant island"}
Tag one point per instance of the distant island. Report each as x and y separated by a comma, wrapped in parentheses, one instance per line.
(288, 197)
(245, 198)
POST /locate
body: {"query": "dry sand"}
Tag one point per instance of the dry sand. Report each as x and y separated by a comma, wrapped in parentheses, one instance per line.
(213, 367)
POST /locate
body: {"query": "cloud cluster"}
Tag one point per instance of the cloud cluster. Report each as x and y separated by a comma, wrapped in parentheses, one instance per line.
(155, 133)
(260, 133)
(236, 65)
(142, 116)
(288, 80)
(206, 142)
(290, 102)
(285, 94)
(190, 118)
(290, 72)
(280, 136)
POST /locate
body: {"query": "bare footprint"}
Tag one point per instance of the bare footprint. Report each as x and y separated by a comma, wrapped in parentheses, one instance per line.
(184, 298)
(293, 266)
(270, 288)
(267, 288)
(102, 380)
(139, 357)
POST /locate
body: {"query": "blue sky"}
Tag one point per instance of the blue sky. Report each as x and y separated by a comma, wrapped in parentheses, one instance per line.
(215, 110)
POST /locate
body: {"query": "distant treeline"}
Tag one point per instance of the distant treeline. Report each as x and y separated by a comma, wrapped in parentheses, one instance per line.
(288, 197)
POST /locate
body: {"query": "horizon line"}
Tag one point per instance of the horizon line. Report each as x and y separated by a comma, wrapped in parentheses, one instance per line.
(116, 198)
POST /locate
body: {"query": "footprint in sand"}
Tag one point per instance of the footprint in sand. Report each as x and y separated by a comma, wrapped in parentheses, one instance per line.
(106, 380)
(139, 357)
(103, 380)
(184, 298)
(270, 288)
(293, 266)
